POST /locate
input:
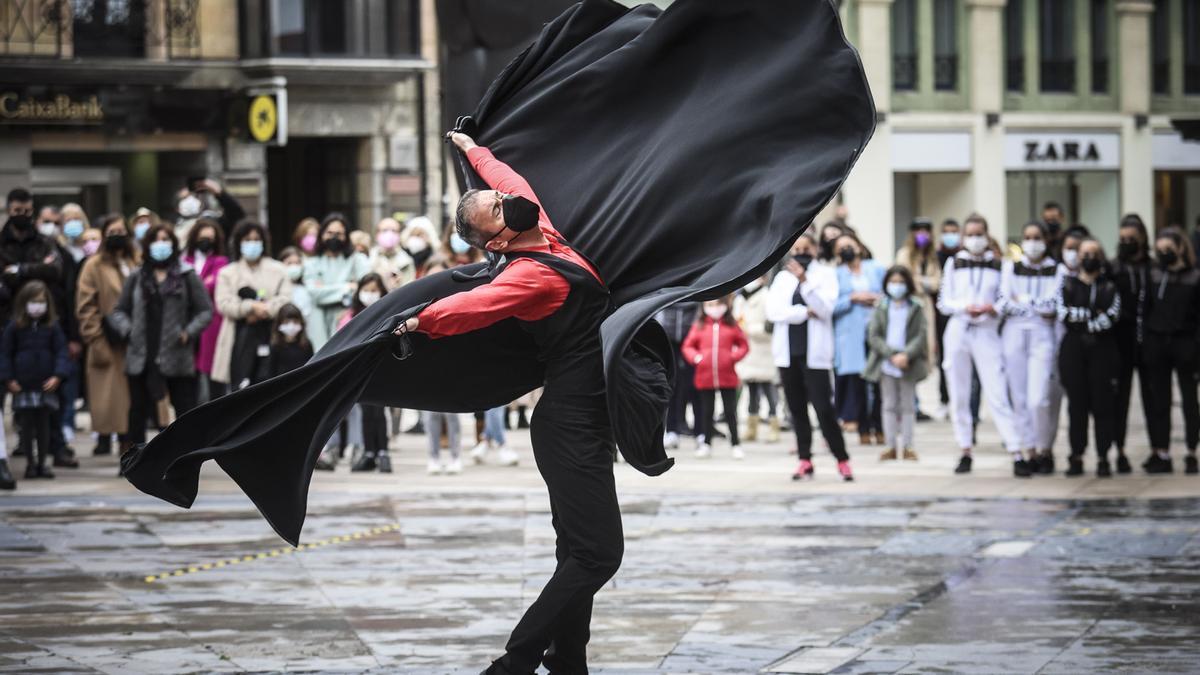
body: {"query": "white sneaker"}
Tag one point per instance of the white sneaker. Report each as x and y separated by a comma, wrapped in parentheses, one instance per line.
(454, 467)
(479, 452)
(670, 440)
(703, 451)
(434, 467)
(737, 452)
(508, 456)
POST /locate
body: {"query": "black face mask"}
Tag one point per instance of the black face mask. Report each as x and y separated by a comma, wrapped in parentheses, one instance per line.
(847, 254)
(116, 242)
(1127, 250)
(1167, 258)
(520, 214)
(803, 259)
(333, 245)
(1090, 264)
(421, 256)
(205, 246)
(1053, 226)
(22, 223)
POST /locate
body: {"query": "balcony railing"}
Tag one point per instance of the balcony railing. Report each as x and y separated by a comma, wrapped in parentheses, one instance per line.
(158, 29)
(1014, 74)
(35, 28)
(1099, 76)
(1191, 78)
(1058, 75)
(945, 72)
(904, 72)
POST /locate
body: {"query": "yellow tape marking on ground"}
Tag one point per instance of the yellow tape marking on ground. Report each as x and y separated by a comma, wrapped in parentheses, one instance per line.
(273, 553)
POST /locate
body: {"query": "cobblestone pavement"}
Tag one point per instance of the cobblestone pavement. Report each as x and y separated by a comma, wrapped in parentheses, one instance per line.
(730, 567)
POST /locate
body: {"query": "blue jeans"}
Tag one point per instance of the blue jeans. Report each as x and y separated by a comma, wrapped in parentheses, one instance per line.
(493, 425)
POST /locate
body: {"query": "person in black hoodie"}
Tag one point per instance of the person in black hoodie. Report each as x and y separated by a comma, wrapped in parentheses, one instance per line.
(1131, 272)
(1089, 306)
(1172, 324)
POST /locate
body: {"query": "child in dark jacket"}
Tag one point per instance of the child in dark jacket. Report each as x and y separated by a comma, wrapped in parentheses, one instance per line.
(290, 347)
(33, 363)
(713, 346)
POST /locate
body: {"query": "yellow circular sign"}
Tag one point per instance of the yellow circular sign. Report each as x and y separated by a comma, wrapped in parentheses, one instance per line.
(263, 118)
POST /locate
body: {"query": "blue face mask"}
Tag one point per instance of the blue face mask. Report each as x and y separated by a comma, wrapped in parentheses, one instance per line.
(160, 251)
(140, 230)
(950, 239)
(251, 250)
(73, 228)
(458, 244)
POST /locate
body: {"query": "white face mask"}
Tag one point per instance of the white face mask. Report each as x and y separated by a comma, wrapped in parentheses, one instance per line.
(290, 329)
(35, 309)
(1034, 248)
(714, 313)
(48, 229)
(368, 298)
(975, 244)
(294, 271)
(415, 244)
(189, 206)
(897, 291)
(1071, 257)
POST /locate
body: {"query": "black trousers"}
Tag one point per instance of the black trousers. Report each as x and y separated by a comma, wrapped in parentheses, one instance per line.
(1163, 355)
(858, 401)
(682, 395)
(708, 413)
(758, 390)
(34, 424)
(572, 445)
(1131, 361)
(374, 429)
(940, 320)
(182, 391)
(803, 387)
(1089, 366)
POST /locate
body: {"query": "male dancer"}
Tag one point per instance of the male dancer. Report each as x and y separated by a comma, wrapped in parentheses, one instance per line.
(558, 297)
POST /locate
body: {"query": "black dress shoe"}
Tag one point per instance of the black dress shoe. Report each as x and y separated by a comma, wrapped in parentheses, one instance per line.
(30, 470)
(65, 461)
(102, 449)
(922, 417)
(7, 482)
(1021, 469)
(1045, 464)
(44, 472)
(1190, 465)
(1103, 470)
(1123, 464)
(1074, 466)
(964, 464)
(365, 463)
(1157, 464)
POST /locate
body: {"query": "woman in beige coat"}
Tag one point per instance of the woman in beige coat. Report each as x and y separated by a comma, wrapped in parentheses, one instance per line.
(250, 268)
(99, 288)
(757, 371)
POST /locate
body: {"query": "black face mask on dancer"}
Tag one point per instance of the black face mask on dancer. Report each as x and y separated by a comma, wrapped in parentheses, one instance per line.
(1127, 250)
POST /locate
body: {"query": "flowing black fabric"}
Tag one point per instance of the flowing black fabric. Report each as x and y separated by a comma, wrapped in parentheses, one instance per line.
(682, 151)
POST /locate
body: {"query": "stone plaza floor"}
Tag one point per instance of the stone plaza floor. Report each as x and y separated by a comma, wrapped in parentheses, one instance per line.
(730, 567)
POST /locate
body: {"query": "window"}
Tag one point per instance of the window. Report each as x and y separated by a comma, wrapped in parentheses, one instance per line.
(904, 45)
(1014, 46)
(1191, 46)
(109, 28)
(364, 28)
(1056, 41)
(1099, 39)
(1160, 47)
(945, 45)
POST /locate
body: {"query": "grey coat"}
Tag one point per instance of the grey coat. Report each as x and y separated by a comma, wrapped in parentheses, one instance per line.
(187, 309)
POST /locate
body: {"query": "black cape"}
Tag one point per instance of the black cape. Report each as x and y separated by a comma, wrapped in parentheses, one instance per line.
(682, 150)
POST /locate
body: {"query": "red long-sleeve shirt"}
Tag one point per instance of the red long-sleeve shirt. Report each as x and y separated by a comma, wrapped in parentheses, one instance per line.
(525, 289)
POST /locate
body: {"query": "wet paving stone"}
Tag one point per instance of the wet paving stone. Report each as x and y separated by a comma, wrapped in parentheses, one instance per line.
(711, 583)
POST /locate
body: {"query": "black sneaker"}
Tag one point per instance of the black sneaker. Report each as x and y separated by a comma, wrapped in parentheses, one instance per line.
(922, 416)
(385, 462)
(1074, 467)
(1157, 464)
(1123, 464)
(964, 464)
(7, 482)
(30, 470)
(102, 449)
(65, 460)
(1103, 470)
(1190, 465)
(1045, 464)
(1022, 469)
(365, 463)
(44, 472)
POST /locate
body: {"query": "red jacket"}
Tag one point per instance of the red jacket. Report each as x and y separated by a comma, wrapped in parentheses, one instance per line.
(713, 347)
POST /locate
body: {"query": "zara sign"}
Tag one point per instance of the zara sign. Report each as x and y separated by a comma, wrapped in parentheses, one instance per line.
(1062, 152)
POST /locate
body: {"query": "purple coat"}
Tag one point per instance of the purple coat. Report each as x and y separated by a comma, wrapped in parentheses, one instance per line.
(207, 345)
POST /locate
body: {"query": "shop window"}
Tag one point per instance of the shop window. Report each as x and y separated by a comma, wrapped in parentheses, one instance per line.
(367, 28)
(109, 28)
(904, 45)
(1099, 39)
(1014, 46)
(1191, 46)
(1056, 41)
(945, 45)
(1160, 64)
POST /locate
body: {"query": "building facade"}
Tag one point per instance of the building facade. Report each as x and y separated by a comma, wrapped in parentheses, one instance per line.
(998, 106)
(116, 103)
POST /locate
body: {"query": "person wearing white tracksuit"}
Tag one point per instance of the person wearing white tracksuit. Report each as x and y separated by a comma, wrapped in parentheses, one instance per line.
(970, 293)
(1028, 290)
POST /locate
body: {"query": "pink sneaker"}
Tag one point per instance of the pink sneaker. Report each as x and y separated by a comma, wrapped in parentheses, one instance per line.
(803, 470)
(844, 469)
